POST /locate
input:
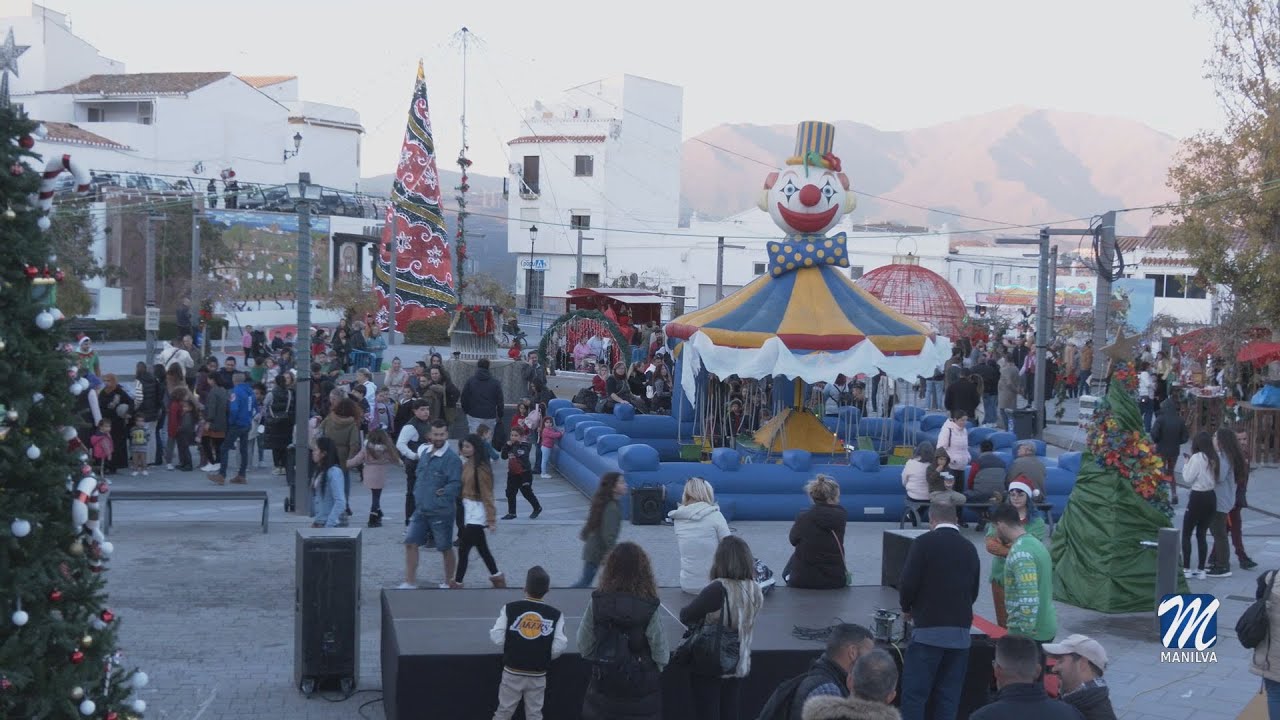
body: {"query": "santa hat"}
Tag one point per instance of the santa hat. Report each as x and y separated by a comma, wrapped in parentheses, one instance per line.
(1020, 485)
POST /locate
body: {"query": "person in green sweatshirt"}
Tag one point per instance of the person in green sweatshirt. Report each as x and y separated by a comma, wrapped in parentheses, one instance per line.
(1020, 498)
(1028, 578)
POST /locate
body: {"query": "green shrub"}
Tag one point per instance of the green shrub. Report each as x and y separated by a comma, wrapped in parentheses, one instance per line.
(432, 331)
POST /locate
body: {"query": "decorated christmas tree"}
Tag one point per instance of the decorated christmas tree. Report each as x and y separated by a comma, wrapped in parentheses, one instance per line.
(1120, 500)
(58, 653)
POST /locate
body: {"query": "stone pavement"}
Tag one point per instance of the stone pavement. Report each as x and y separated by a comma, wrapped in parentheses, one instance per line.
(207, 600)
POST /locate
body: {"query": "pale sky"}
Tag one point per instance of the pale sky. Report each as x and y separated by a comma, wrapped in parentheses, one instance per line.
(892, 65)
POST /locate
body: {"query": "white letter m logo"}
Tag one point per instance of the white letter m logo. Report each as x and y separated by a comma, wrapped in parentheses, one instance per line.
(1184, 617)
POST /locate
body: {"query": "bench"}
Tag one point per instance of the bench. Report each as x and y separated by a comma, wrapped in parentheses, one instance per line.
(89, 327)
(915, 511)
(184, 495)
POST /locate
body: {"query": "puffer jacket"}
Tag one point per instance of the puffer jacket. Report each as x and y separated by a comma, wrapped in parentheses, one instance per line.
(699, 529)
(955, 440)
(345, 434)
(829, 707)
(1266, 657)
(818, 539)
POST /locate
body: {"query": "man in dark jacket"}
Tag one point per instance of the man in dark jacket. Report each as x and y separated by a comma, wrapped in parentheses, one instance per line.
(937, 589)
(1080, 661)
(829, 675)
(1022, 695)
(1169, 432)
(482, 398)
(990, 374)
(962, 395)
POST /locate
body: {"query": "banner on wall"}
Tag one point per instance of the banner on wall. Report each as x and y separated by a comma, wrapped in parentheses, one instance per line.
(1136, 299)
(1072, 293)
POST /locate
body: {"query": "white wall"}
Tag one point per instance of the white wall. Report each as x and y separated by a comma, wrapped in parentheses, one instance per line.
(643, 175)
(331, 154)
(55, 57)
(285, 92)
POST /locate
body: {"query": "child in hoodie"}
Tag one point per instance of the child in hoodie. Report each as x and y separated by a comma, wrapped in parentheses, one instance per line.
(550, 435)
(375, 459)
(519, 473)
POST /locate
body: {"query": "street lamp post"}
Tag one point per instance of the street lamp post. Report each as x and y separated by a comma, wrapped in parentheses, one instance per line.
(304, 195)
(528, 289)
(297, 147)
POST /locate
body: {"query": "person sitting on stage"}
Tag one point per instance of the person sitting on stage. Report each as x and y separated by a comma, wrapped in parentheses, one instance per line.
(531, 634)
(700, 527)
(874, 681)
(818, 539)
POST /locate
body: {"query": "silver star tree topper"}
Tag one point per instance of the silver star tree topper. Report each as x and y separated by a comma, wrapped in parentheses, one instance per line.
(9, 54)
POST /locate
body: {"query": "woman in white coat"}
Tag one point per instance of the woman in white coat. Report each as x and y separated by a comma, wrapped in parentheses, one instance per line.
(699, 529)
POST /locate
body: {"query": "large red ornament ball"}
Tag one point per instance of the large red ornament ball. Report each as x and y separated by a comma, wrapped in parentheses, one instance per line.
(26, 142)
(31, 271)
(112, 716)
(107, 616)
(55, 596)
(77, 657)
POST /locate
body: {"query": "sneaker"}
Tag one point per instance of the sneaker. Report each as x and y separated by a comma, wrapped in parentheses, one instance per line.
(217, 479)
(135, 473)
(509, 516)
(1247, 564)
(545, 476)
(1219, 573)
(146, 472)
(210, 467)
(168, 466)
(1201, 574)
(534, 515)
(406, 586)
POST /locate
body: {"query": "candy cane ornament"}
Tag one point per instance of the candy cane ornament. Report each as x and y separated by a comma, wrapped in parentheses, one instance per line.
(85, 491)
(43, 202)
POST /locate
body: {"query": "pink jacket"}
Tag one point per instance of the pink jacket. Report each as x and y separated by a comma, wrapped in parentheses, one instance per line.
(955, 440)
(549, 437)
(102, 445)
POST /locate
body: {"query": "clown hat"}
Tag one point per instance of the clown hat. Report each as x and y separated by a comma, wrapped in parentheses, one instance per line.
(815, 142)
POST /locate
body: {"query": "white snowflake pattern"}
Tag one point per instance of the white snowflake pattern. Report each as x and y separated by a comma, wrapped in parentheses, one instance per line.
(435, 256)
(402, 242)
(429, 178)
(405, 156)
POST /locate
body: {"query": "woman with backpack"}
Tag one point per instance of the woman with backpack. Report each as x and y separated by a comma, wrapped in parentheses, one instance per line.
(733, 598)
(621, 636)
(604, 524)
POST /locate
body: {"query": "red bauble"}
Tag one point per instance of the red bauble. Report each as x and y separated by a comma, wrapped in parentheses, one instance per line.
(77, 657)
(31, 271)
(59, 276)
(112, 716)
(55, 596)
(107, 616)
(26, 142)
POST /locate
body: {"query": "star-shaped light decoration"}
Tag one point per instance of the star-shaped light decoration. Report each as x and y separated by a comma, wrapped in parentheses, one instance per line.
(9, 54)
(1123, 349)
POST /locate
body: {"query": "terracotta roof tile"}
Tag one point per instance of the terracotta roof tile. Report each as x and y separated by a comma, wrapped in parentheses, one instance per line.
(261, 81)
(174, 83)
(530, 139)
(76, 135)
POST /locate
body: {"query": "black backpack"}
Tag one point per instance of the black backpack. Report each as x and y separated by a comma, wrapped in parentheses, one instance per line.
(615, 670)
(1253, 626)
(778, 706)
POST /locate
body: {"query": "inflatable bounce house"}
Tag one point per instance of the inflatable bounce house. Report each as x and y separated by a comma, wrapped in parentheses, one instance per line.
(803, 322)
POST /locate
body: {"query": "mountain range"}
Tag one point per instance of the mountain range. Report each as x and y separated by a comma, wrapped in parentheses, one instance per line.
(1019, 165)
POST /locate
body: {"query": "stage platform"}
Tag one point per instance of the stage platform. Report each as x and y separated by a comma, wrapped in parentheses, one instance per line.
(437, 659)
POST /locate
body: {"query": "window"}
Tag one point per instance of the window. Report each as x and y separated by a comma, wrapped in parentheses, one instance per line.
(579, 222)
(96, 114)
(590, 280)
(145, 112)
(1196, 288)
(534, 287)
(1175, 286)
(855, 271)
(1179, 286)
(677, 300)
(758, 268)
(958, 280)
(529, 178)
(999, 279)
(583, 165)
(1017, 280)
(977, 276)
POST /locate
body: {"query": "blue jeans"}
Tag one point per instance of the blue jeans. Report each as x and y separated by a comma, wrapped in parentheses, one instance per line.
(933, 394)
(1084, 381)
(932, 682)
(588, 575)
(1273, 698)
(990, 416)
(238, 436)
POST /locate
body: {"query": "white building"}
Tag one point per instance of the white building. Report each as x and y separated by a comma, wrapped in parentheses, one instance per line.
(1178, 291)
(604, 159)
(192, 125)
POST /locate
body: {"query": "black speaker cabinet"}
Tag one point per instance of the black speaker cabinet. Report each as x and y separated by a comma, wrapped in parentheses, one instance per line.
(646, 505)
(327, 610)
(893, 555)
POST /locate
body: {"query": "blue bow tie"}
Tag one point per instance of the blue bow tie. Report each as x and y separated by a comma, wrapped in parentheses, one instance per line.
(801, 251)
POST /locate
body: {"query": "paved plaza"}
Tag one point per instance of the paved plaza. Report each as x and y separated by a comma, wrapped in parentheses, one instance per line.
(207, 599)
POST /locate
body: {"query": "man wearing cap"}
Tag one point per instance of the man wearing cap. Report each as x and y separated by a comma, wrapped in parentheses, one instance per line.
(1028, 578)
(1080, 661)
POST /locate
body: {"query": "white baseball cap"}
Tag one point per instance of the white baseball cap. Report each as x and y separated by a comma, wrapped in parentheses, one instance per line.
(1082, 645)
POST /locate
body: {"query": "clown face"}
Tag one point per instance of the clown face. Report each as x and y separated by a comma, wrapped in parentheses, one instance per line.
(807, 204)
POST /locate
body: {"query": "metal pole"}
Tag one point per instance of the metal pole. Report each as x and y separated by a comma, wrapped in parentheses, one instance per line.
(196, 301)
(719, 269)
(151, 287)
(1053, 291)
(528, 279)
(579, 269)
(391, 301)
(302, 355)
(1043, 308)
(1102, 299)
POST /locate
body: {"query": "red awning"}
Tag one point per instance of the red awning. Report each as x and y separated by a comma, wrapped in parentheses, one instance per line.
(1259, 352)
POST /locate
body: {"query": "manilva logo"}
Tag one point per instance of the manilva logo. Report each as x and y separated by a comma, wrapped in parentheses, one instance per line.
(1188, 628)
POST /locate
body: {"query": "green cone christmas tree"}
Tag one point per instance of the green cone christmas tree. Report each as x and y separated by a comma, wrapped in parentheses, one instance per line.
(58, 653)
(1121, 498)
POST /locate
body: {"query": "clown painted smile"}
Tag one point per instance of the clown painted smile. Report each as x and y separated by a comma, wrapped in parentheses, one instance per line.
(807, 222)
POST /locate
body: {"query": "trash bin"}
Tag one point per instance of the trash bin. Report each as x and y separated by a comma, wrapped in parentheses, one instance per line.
(1024, 424)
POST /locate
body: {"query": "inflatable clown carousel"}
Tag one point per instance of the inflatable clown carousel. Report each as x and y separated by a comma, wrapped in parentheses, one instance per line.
(805, 320)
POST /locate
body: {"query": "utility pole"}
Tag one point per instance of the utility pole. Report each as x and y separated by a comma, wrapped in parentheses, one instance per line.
(197, 301)
(1053, 290)
(304, 194)
(1102, 298)
(578, 283)
(719, 268)
(151, 285)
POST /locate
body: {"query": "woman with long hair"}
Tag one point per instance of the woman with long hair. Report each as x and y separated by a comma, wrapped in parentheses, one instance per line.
(818, 538)
(1201, 473)
(604, 523)
(342, 426)
(700, 527)
(621, 626)
(1020, 498)
(1229, 445)
(733, 590)
(326, 485)
(478, 511)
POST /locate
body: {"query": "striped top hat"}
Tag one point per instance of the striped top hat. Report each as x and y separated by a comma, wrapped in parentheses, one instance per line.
(815, 143)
